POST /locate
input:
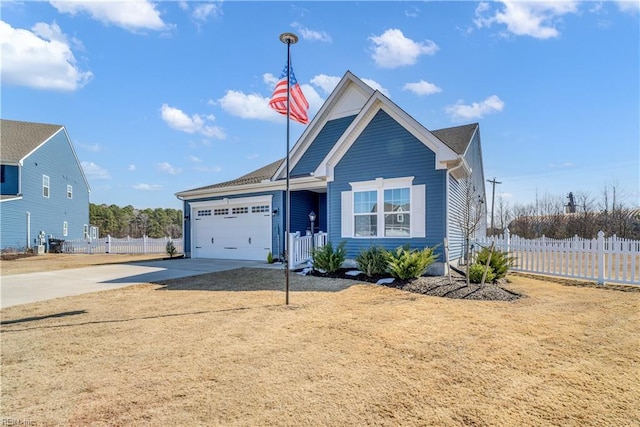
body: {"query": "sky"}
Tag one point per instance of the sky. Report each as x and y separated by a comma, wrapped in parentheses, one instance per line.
(162, 97)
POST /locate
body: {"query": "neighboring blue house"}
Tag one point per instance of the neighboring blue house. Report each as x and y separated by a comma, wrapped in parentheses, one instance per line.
(371, 173)
(44, 190)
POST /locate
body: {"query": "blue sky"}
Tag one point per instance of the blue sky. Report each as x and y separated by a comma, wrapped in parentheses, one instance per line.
(160, 97)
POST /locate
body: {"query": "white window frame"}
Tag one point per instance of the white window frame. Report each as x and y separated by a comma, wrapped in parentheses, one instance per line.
(65, 228)
(46, 186)
(417, 211)
(85, 231)
(69, 191)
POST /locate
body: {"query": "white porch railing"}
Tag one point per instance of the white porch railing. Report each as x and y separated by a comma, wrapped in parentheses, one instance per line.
(610, 259)
(300, 247)
(111, 245)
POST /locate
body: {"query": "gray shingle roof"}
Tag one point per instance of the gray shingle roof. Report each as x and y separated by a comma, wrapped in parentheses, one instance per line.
(17, 139)
(457, 138)
(259, 175)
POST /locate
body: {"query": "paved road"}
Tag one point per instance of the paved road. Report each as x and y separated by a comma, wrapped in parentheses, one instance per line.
(32, 287)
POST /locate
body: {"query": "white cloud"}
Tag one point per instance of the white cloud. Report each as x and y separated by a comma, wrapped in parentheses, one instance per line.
(132, 167)
(376, 86)
(166, 167)
(246, 106)
(326, 83)
(629, 6)
(195, 159)
(533, 18)
(422, 88)
(308, 34)
(460, 111)
(147, 187)
(392, 49)
(95, 147)
(93, 171)
(130, 15)
(196, 123)
(40, 59)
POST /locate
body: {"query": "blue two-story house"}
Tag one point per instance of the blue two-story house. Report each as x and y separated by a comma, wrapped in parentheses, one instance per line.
(44, 192)
(371, 173)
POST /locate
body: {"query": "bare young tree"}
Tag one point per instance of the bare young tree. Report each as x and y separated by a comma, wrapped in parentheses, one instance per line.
(470, 217)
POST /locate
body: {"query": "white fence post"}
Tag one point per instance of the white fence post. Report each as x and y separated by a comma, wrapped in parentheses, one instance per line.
(600, 256)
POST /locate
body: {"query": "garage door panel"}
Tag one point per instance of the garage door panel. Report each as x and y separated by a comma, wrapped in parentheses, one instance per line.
(236, 232)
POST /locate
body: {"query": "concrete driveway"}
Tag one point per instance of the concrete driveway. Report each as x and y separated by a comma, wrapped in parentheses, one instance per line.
(27, 288)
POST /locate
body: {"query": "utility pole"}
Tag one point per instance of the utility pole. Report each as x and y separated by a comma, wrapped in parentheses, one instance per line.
(493, 197)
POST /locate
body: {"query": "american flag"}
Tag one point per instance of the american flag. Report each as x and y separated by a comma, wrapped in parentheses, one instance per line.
(299, 104)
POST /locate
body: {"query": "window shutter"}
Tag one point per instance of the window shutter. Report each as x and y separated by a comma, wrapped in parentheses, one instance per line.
(346, 223)
(418, 211)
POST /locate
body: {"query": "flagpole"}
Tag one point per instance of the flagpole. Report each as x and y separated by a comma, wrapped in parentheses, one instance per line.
(288, 39)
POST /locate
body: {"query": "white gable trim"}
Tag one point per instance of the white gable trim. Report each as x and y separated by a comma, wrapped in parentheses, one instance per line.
(347, 99)
(377, 102)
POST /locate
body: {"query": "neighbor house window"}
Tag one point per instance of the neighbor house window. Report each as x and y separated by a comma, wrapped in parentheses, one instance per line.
(45, 186)
(85, 231)
(392, 208)
(69, 191)
(65, 228)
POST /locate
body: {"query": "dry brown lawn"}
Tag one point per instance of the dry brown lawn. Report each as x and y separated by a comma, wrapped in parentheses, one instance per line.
(224, 350)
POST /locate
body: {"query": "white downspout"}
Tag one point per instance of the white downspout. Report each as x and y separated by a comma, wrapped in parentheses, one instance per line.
(28, 230)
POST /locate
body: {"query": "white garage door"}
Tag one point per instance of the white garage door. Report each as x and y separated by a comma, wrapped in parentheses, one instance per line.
(233, 231)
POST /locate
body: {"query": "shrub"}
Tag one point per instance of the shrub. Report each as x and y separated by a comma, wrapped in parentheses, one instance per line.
(405, 264)
(372, 261)
(328, 259)
(170, 249)
(500, 262)
(477, 270)
(269, 258)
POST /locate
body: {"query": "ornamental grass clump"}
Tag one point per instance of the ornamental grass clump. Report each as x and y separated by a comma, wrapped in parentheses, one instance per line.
(405, 264)
(373, 261)
(327, 259)
(500, 262)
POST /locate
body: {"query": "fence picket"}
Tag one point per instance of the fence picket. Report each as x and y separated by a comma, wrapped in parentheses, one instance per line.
(603, 259)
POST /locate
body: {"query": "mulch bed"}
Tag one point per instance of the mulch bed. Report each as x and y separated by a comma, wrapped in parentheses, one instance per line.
(438, 286)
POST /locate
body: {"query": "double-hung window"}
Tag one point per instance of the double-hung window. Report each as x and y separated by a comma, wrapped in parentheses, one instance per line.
(45, 186)
(69, 191)
(384, 208)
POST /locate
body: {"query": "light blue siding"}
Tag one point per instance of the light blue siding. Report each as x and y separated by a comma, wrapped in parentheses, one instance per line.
(322, 144)
(385, 149)
(57, 160)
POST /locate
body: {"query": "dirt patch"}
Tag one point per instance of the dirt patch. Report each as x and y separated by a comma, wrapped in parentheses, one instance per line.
(207, 354)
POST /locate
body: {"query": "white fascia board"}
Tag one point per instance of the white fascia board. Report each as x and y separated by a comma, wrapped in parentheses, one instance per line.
(10, 199)
(325, 114)
(21, 162)
(234, 201)
(377, 102)
(302, 183)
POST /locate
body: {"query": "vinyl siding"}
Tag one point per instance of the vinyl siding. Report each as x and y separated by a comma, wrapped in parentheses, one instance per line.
(57, 160)
(387, 150)
(322, 144)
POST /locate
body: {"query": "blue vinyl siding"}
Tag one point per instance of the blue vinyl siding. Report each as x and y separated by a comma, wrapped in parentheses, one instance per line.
(322, 144)
(57, 160)
(11, 184)
(457, 201)
(385, 149)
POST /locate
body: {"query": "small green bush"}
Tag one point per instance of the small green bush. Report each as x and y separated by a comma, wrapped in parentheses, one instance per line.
(405, 264)
(269, 258)
(372, 261)
(170, 248)
(500, 262)
(477, 270)
(328, 259)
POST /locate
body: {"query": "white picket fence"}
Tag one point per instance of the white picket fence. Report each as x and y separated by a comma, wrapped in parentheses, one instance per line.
(605, 259)
(300, 246)
(111, 245)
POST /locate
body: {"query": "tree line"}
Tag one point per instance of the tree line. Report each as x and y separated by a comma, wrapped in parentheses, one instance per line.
(576, 214)
(126, 221)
